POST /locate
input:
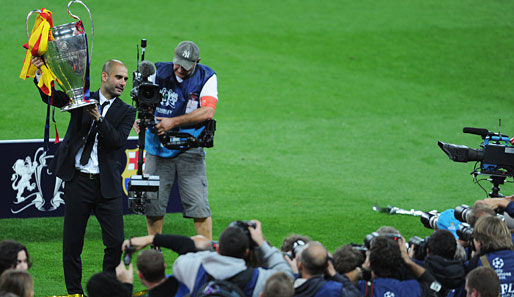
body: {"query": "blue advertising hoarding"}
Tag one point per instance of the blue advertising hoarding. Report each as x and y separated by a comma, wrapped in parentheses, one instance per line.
(32, 191)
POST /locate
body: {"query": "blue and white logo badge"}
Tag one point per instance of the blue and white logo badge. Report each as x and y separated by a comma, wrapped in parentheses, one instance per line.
(388, 294)
(497, 263)
(28, 179)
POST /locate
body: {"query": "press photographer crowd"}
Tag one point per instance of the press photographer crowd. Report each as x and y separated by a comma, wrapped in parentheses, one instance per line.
(469, 253)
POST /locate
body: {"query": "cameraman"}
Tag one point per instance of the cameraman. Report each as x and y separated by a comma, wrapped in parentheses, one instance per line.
(189, 96)
(228, 262)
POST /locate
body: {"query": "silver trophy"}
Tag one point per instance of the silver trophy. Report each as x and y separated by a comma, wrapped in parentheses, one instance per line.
(67, 57)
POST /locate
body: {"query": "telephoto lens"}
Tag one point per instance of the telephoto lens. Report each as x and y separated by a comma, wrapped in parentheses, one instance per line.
(429, 219)
(462, 212)
(465, 232)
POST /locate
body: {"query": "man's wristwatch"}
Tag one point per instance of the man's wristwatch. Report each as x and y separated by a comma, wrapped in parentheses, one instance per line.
(100, 120)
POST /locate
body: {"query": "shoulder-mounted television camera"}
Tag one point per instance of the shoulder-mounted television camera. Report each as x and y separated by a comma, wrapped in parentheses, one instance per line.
(495, 157)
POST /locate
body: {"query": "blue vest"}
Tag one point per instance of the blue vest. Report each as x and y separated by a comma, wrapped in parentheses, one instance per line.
(330, 289)
(202, 277)
(175, 97)
(408, 288)
(503, 264)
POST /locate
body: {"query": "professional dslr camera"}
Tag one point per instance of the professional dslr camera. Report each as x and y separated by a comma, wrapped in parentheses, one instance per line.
(369, 238)
(496, 156)
(419, 245)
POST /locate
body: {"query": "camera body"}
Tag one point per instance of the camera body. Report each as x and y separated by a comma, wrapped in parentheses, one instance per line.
(369, 238)
(145, 93)
(496, 156)
(127, 256)
(420, 247)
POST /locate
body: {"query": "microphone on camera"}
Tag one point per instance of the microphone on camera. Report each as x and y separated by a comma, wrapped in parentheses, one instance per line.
(146, 68)
(478, 131)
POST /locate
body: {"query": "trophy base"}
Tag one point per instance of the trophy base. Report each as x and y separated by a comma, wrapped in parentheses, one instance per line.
(78, 104)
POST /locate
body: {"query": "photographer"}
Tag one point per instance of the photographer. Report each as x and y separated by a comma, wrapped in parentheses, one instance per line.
(313, 265)
(151, 272)
(104, 284)
(150, 263)
(506, 203)
(292, 247)
(348, 261)
(189, 96)
(386, 257)
(494, 248)
(440, 260)
(228, 261)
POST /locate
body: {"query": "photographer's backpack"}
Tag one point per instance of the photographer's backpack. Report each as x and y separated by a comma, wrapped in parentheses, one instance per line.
(220, 288)
(240, 285)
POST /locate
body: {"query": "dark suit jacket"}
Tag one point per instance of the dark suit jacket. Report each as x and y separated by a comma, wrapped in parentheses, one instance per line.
(112, 136)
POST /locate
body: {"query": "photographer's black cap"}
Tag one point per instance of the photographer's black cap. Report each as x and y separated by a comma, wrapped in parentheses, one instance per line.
(186, 54)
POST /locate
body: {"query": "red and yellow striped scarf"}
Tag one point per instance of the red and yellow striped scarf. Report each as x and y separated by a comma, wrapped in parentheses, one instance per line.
(37, 46)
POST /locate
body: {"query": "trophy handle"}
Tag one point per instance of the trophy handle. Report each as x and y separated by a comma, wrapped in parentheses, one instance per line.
(27, 21)
(90, 17)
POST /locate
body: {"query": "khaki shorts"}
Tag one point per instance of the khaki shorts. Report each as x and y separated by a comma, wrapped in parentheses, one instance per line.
(189, 168)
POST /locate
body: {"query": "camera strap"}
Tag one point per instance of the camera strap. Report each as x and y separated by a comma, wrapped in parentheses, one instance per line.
(370, 287)
(485, 262)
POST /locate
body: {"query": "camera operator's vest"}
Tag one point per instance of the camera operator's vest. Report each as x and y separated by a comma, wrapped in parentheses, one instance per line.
(175, 97)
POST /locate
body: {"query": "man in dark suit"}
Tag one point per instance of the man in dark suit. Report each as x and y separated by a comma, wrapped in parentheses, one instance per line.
(88, 161)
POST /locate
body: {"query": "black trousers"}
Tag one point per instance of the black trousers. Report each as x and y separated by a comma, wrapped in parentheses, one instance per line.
(82, 196)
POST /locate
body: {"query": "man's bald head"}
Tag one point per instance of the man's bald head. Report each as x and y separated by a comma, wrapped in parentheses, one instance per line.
(108, 66)
(314, 258)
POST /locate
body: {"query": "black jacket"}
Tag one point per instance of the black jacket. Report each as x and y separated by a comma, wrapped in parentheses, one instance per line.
(450, 273)
(112, 136)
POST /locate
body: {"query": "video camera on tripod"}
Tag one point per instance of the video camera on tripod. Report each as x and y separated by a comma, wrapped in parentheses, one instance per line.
(147, 97)
(496, 157)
